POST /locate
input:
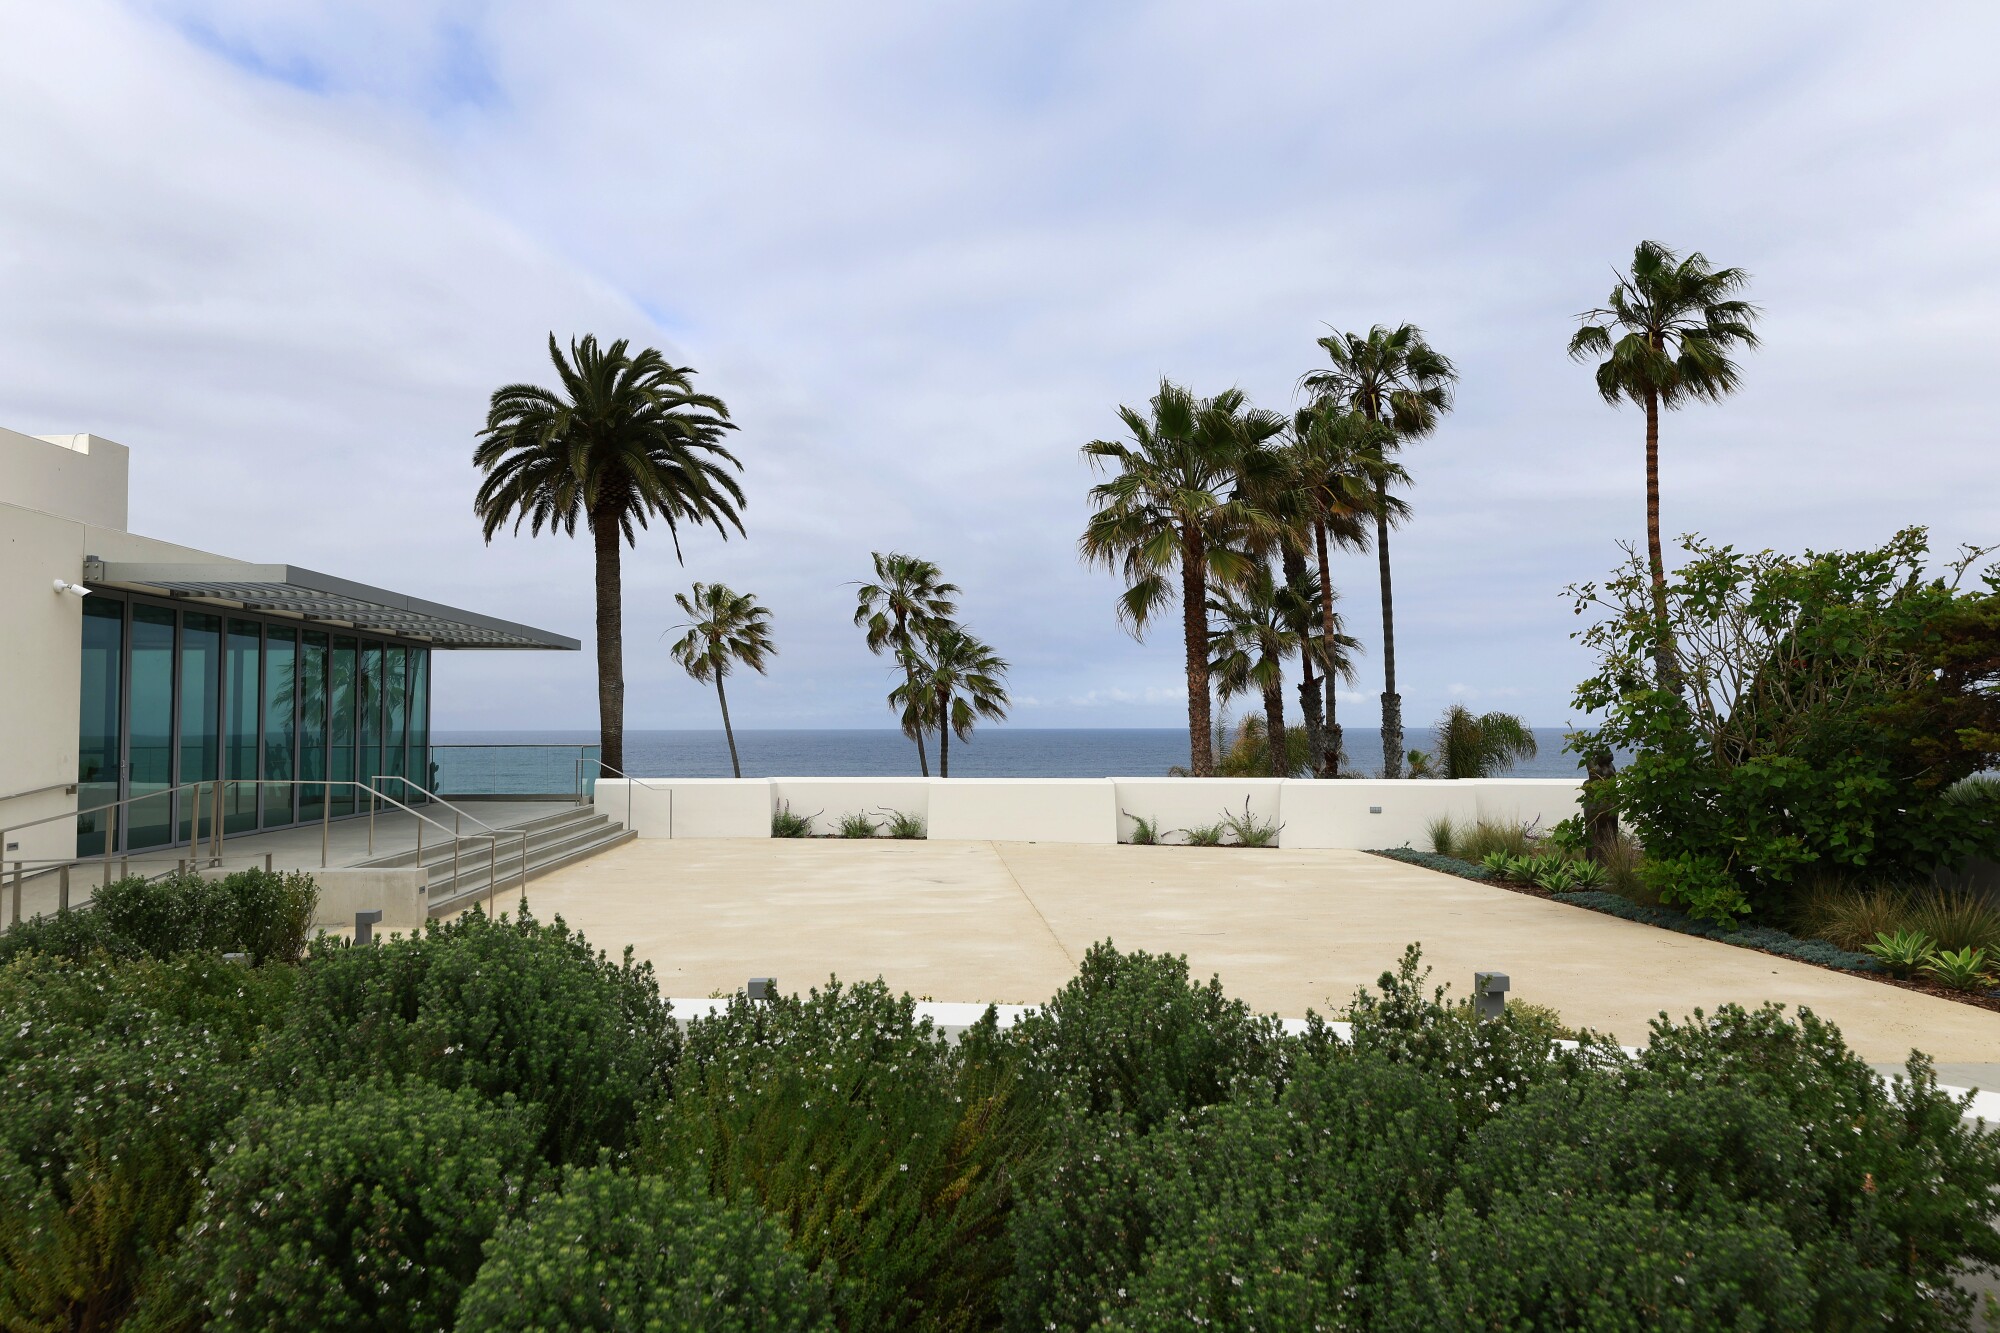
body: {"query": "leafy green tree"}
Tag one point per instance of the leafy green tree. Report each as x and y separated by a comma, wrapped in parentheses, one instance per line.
(1176, 504)
(1469, 745)
(625, 438)
(724, 628)
(1249, 642)
(951, 680)
(1393, 378)
(1665, 335)
(908, 597)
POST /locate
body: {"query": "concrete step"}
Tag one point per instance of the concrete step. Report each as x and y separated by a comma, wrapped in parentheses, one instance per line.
(438, 847)
(474, 882)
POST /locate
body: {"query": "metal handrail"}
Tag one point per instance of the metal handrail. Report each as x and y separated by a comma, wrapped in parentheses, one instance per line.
(37, 791)
(643, 782)
(458, 816)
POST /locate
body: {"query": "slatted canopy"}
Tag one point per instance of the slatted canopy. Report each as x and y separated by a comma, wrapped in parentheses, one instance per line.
(316, 597)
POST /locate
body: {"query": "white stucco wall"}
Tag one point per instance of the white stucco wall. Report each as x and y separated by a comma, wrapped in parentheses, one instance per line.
(79, 477)
(1380, 812)
(1178, 804)
(41, 652)
(1025, 809)
(1540, 802)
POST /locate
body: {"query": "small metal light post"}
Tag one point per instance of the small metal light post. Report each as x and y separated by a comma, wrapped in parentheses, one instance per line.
(1489, 994)
(364, 926)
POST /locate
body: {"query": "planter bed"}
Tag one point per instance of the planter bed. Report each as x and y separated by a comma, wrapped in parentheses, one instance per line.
(1763, 939)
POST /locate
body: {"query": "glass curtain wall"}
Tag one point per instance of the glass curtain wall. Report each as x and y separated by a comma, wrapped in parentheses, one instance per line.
(173, 697)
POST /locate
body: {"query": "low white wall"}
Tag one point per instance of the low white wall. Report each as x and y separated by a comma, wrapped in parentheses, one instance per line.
(1175, 805)
(1379, 812)
(1025, 810)
(827, 799)
(1348, 813)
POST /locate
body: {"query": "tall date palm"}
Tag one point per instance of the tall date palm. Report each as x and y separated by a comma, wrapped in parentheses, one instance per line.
(1174, 507)
(624, 438)
(952, 680)
(1665, 335)
(1389, 377)
(724, 629)
(907, 599)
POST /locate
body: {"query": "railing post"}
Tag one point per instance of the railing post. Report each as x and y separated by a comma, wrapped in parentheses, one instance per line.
(62, 889)
(492, 870)
(17, 893)
(110, 839)
(325, 819)
(371, 823)
(524, 863)
(215, 825)
(455, 845)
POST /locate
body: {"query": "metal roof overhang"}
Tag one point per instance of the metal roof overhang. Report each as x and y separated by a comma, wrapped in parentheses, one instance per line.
(287, 590)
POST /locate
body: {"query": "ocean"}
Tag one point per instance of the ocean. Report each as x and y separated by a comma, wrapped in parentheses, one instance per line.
(545, 761)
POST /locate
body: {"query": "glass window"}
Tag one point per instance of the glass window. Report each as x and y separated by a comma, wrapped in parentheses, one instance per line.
(150, 753)
(395, 718)
(421, 767)
(281, 651)
(368, 700)
(98, 731)
(341, 684)
(312, 723)
(200, 715)
(242, 708)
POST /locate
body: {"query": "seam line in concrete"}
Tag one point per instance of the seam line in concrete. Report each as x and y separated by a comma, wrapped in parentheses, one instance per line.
(1021, 889)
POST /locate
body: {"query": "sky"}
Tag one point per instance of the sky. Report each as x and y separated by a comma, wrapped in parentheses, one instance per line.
(924, 252)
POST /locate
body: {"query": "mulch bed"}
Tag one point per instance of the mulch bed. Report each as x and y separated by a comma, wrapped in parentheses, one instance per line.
(1989, 1001)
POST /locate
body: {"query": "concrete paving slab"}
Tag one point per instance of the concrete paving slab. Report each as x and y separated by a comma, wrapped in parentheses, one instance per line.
(1287, 930)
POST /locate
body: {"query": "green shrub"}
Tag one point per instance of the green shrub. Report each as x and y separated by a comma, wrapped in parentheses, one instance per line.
(1822, 713)
(614, 1251)
(1442, 832)
(904, 825)
(889, 1154)
(1248, 830)
(1766, 938)
(785, 824)
(499, 1006)
(1132, 1033)
(1449, 865)
(1957, 919)
(115, 1079)
(1903, 952)
(1145, 832)
(266, 915)
(366, 1210)
(1960, 969)
(857, 826)
(1487, 836)
(1207, 835)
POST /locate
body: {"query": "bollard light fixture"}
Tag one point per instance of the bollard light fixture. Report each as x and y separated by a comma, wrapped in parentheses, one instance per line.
(1489, 993)
(762, 988)
(364, 926)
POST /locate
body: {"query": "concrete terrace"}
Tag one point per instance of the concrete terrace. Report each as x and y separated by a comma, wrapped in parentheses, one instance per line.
(1287, 931)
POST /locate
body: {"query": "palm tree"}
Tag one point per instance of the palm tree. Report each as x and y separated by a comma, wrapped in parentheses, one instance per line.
(723, 628)
(625, 438)
(907, 598)
(1393, 378)
(1476, 747)
(1304, 603)
(1337, 459)
(1248, 645)
(1176, 504)
(1665, 336)
(951, 680)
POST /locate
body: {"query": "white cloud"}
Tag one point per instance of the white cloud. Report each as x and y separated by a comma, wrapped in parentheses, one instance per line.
(284, 251)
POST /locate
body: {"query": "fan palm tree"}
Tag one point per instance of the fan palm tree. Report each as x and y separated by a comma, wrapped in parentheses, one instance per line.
(908, 597)
(1177, 504)
(623, 439)
(1322, 658)
(1248, 644)
(951, 680)
(723, 629)
(1469, 746)
(1665, 335)
(1393, 378)
(1338, 461)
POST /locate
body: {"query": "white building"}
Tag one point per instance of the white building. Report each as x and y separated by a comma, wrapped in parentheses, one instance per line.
(131, 669)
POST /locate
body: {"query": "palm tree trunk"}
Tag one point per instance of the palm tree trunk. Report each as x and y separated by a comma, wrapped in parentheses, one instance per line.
(944, 738)
(727, 730)
(1309, 700)
(1663, 652)
(605, 537)
(1392, 702)
(903, 642)
(1274, 728)
(1194, 627)
(1330, 759)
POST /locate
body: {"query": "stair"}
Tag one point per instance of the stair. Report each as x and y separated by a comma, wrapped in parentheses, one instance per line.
(554, 841)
